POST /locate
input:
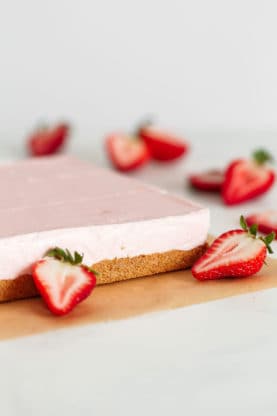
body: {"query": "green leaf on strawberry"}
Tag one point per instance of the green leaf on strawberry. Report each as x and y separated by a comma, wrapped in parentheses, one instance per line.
(262, 156)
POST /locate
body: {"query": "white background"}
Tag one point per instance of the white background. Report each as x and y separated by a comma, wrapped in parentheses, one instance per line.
(105, 64)
(208, 69)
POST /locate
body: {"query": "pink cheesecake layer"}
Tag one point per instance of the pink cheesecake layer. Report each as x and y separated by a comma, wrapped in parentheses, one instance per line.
(63, 201)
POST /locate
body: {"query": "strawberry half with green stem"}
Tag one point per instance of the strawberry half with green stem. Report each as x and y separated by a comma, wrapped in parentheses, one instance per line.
(236, 253)
(126, 153)
(48, 140)
(247, 179)
(266, 221)
(62, 280)
(163, 146)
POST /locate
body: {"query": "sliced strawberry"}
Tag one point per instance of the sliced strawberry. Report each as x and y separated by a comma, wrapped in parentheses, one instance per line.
(266, 221)
(162, 145)
(236, 253)
(211, 180)
(47, 141)
(62, 280)
(126, 153)
(247, 179)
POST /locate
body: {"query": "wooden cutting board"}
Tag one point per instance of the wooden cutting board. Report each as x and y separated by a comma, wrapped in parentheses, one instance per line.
(130, 298)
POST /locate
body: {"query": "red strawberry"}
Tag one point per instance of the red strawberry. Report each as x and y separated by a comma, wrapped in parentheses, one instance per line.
(247, 179)
(46, 141)
(266, 221)
(126, 153)
(162, 145)
(210, 180)
(236, 253)
(62, 280)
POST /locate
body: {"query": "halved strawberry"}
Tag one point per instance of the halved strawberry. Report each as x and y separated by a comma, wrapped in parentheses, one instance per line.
(162, 145)
(236, 253)
(266, 221)
(126, 153)
(48, 140)
(247, 179)
(210, 180)
(62, 280)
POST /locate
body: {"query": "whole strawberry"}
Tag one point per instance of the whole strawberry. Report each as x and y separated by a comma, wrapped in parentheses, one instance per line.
(62, 280)
(46, 140)
(247, 179)
(236, 253)
(163, 146)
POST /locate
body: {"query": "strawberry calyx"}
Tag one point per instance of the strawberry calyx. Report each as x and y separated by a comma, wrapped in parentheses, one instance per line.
(252, 232)
(262, 156)
(41, 127)
(147, 122)
(65, 256)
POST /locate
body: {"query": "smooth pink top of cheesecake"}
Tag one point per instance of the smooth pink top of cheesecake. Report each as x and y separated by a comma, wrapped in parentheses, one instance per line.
(61, 201)
(63, 192)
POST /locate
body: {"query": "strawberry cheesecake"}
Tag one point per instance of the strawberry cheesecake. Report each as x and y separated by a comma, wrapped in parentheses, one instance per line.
(123, 228)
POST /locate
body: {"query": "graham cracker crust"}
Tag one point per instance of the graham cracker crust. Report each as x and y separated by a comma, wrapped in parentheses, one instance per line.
(146, 265)
(19, 288)
(112, 271)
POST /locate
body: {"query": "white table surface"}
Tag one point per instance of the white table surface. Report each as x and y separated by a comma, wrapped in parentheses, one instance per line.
(217, 358)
